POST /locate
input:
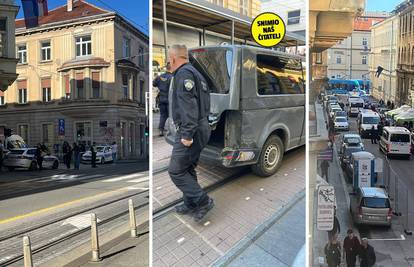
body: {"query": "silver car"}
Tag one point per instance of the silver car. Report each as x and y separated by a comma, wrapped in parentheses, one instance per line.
(371, 205)
(24, 158)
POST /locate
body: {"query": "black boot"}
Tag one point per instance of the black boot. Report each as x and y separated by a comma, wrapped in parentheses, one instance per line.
(183, 209)
(161, 132)
(202, 211)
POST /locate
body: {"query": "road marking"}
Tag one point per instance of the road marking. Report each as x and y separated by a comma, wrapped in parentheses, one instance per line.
(136, 188)
(62, 205)
(388, 239)
(180, 240)
(140, 180)
(80, 221)
(125, 177)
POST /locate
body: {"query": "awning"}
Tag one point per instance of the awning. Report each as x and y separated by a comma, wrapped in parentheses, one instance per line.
(205, 15)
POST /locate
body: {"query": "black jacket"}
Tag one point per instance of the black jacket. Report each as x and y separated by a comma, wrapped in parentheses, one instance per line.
(367, 256)
(162, 82)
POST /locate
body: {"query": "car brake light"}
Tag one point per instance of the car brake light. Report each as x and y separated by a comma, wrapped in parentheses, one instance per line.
(390, 212)
(388, 147)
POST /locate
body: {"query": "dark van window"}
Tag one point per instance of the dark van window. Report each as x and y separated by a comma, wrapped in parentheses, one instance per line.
(279, 75)
(404, 138)
(372, 202)
(216, 65)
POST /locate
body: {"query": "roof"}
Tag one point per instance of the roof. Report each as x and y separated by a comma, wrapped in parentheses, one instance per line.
(365, 23)
(374, 192)
(362, 154)
(81, 9)
(396, 129)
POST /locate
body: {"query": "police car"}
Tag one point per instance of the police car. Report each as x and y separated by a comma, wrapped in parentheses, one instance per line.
(103, 155)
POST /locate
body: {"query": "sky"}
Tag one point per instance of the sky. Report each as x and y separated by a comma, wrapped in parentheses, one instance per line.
(382, 5)
(136, 11)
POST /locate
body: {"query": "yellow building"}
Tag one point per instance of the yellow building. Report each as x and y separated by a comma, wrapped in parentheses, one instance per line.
(83, 75)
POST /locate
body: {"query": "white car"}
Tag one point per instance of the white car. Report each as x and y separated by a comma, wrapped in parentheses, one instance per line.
(25, 158)
(341, 124)
(103, 155)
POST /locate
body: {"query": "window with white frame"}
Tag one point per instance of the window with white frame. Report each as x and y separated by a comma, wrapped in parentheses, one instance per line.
(364, 41)
(46, 94)
(364, 60)
(23, 131)
(141, 56)
(125, 86)
(338, 59)
(22, 96)
(3, 38)
(22, 53)
(244, 7)
(293, 17)
(47, 133)
(83, 46)
(45, 51)
(126, 48)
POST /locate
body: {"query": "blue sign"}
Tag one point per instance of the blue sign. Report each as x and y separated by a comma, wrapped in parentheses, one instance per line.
(61, 130)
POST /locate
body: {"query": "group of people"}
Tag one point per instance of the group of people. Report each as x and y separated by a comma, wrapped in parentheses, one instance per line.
(352, 249)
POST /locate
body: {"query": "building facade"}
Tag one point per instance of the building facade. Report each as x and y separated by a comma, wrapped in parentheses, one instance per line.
(293, 13)
(349, 59)
(384, 45)
(405, 58)
(83, 77)
(8, 61)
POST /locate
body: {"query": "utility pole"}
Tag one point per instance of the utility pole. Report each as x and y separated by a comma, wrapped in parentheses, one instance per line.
(390, 67)
(350, 61)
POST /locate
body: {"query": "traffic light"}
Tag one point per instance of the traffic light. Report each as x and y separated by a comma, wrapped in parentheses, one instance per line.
(146, 131)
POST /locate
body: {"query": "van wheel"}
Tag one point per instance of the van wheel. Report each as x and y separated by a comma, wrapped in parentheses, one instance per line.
(55, 165)
(270, 157)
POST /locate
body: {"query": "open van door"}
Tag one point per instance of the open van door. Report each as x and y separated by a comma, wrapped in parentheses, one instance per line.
(218, 66)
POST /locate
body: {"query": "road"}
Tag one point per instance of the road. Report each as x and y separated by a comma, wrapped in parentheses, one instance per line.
(41, 204)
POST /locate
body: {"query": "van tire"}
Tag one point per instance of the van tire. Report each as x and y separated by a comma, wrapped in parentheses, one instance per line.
(272, 145)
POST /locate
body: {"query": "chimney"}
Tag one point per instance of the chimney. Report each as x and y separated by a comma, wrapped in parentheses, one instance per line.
(70, 5)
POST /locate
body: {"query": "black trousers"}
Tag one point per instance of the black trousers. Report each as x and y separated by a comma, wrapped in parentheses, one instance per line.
(182, 166)
(94, 159)
(350, 259)
(163, 115)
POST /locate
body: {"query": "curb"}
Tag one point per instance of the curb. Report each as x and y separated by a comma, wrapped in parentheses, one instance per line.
(253, 235)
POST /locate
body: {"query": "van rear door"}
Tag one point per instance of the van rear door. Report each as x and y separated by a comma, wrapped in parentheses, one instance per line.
(217, 65)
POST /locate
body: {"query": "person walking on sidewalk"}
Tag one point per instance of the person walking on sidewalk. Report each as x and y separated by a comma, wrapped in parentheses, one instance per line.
(114, 149)
(333, 253)
(93, 154)
(190, 105)
(325, 169)
(367, 254)
(76, 156)
(336, 229)
(351, 248)
(373, 134)
(162, 82)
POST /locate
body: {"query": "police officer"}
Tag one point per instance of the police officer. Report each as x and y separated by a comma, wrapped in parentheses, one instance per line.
(93, 152)
(190, 106)
(162, 82)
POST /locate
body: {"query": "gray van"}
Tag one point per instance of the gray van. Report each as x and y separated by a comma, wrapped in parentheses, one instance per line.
(257, 108)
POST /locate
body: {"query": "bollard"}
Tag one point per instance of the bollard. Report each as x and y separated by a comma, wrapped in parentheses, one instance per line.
(94, 239)
(132, 219)
(27, 252)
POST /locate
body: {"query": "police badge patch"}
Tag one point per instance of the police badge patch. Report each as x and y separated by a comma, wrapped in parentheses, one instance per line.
(188, 84)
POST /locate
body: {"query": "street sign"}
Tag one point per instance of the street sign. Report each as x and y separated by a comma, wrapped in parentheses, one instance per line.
(326, 208)
(326, 154)
(364, 173)
(378, 165)
(61, 129)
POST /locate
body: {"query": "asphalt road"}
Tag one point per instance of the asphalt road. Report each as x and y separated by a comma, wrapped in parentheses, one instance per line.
(31, 200)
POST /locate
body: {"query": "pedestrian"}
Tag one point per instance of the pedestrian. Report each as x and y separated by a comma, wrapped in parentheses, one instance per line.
(65, 152)
(351, 248)
(1, 155)
(367, 254)
(39, 157)
(388, 104)
(114, 149)
(162, 82)
(373, 135)
(333, 253)
(392, 105)
(336, 229)
(380, 127)
(69, 156)
(93, 153)
(324, 169)
(76, 156)
(190, 108)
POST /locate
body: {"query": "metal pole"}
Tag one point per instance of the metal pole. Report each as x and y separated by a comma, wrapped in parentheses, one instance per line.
(204, 36)
(132, 219)
(391, 43)
(94, 239)
(350, 61)
(232, 32)
(27, 252)
(164, 20)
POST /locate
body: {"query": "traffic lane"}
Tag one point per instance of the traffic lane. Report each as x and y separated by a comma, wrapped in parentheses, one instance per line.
(37, 182)
(24, 209)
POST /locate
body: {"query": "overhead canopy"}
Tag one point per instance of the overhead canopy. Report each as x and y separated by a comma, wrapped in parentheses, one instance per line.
(204, 15)
(405, 116)
(397, 111)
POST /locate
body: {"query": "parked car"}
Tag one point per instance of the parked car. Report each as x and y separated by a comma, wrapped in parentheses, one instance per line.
(103, 155)
(395, 141)
(24, 158)
(341, 114)
(351, 139)
(341, 124)
(256, 113)
(371, 205)
(345, 159)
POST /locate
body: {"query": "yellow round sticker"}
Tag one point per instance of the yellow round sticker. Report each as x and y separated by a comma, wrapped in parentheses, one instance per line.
(268, 29)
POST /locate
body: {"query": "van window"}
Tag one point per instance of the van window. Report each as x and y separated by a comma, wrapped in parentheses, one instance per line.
(370, 120)
(216, 70)
(405, 138)
(374, 202)
(278, 75)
